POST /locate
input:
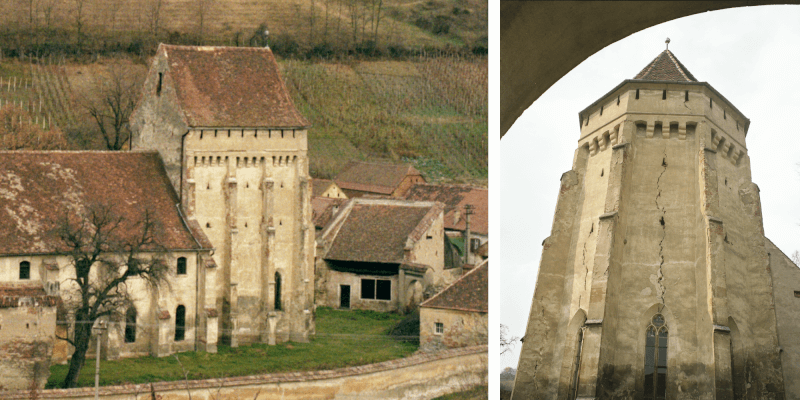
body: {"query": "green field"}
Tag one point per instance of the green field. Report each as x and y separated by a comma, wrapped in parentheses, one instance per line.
(344, 338)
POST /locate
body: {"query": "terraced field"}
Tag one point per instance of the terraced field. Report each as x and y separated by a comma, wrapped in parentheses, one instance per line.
(429, 111)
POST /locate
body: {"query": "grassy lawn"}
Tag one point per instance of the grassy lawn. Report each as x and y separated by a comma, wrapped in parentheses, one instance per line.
(344, 338)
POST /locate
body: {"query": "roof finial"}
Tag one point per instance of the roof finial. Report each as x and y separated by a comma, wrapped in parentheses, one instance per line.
(667, 42)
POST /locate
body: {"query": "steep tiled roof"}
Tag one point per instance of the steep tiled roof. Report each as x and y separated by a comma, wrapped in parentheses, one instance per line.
(378, 231)
(230, 87)
(455, 198)
(17, 295)
(319, 186)
(666, 67)
(373, 177)
(38, 188)
(322, 209)
(468, 293)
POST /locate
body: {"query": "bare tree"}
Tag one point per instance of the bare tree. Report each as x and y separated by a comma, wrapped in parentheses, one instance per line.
(79, 22)
(105, 252)
(153, 14)
(114, 101)
(796, 258)
(507, 342)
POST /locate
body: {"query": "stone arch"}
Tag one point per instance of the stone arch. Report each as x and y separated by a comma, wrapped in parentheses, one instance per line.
(738, 357)
(568, 363)
(529, 67)
(414, 294)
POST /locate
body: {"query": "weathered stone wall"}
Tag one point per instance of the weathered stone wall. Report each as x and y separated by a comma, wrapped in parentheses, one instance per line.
(157, 123)
(658, 216)
(422, 376)
(335, 279)
(429, 251)
(249, 191)
(786, 278)
(27, 335)
(154, 336)
(461, 328)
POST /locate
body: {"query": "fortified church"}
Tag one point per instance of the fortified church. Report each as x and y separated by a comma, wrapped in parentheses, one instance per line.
(657, 281)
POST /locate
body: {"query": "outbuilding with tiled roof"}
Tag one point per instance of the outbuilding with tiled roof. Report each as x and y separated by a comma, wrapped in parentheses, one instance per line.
(381, 254)
(457, 316)
(360, 178)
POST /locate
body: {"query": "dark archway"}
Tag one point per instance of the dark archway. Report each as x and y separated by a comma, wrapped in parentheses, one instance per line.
(541, 41)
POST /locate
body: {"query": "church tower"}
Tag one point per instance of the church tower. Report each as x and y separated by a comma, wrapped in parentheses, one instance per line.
(235, 148)
(655, 280)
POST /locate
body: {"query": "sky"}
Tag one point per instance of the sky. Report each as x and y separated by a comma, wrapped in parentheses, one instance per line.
(750, 55)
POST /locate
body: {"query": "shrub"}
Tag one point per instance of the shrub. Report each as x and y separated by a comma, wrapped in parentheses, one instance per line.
(407, 329)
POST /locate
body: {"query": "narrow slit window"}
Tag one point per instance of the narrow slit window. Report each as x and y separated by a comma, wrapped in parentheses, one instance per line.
(24, 270)
(577, 366)
(686, 96)
(617, 100)
(724, 114)
(181, 265)
(278, 291)
(180, 323)
(601, 110)
(637, 94)
(130, 325)
(160, 80)
(664, 94)
(711, 103)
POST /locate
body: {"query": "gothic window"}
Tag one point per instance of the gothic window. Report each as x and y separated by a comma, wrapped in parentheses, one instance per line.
(278, 291)
(180, 323)
(576, 373)
(25, 270)
(181, 265)
(130, 325)
(655, 359)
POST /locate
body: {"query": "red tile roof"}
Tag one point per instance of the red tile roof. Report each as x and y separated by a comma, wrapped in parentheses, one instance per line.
(455, 197)
(468, 293)
(319, 186)
(19, 295)
(378, 230)
(665, 67)
(322, 209)
(37, 188)
(230, 87)
(376, 178)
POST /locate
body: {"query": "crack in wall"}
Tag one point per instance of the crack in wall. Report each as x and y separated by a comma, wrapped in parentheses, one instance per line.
(661, 290)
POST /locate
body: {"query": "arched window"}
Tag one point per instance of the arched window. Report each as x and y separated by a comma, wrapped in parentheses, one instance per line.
(573, 393)
(278, 291)
(655, 359)
(180, 323)
(181, 265)
(25, 270)
(130, 325)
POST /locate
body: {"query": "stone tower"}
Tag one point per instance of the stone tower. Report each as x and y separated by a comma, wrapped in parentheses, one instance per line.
(655, 281)
(236, 150)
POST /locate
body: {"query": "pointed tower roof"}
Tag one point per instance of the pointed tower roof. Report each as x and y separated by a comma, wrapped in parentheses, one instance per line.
(665, 67)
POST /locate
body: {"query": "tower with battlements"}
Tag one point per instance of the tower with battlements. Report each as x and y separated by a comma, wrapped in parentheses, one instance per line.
(655, 281)
(236, 150)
